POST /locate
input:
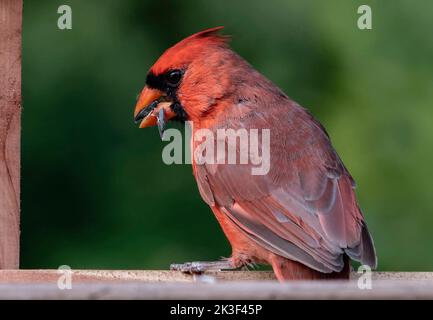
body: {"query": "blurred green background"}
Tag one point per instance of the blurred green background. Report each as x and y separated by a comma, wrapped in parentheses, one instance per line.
(95, 193)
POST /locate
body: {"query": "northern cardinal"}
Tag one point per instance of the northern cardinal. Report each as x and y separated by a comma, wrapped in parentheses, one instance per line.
(302, 217)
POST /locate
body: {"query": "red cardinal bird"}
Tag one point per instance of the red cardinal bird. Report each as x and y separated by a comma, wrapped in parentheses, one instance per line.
(302, 217)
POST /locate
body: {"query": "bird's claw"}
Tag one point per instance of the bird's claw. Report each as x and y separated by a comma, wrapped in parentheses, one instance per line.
(188, 267)
(198, 267)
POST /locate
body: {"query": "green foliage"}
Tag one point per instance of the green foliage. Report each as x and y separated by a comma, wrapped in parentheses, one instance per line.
(95, 191)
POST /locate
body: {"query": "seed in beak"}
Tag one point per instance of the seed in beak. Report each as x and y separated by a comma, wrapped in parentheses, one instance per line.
(145, 112)
(161, 122)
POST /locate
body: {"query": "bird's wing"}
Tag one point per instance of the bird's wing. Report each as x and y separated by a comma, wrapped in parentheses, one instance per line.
(304, 208)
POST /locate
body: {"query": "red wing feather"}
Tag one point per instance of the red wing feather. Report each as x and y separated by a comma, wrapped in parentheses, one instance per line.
(305, 207)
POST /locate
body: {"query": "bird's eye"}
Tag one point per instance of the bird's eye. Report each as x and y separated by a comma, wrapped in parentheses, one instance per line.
(173, 77)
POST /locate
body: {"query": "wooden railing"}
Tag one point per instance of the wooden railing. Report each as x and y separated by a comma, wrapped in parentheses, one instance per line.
(111, 284)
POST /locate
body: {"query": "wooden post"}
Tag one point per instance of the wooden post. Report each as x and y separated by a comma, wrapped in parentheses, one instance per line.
(10, 126)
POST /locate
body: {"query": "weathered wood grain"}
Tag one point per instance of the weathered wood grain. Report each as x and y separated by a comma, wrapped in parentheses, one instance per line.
(85, 276)
(10, 114)
(156, 284)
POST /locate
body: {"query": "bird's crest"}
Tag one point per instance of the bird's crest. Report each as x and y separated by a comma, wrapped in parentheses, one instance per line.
(187, 49)
(209, 34)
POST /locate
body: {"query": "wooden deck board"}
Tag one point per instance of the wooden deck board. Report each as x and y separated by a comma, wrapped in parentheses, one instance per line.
(156, 284)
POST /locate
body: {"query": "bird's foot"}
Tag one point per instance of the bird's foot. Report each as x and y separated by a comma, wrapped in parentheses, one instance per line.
(198, 267)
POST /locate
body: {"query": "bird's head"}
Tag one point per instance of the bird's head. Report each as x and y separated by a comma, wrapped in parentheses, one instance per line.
(187, 81)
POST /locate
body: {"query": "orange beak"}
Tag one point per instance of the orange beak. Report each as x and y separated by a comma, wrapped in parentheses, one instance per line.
(151, 109)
